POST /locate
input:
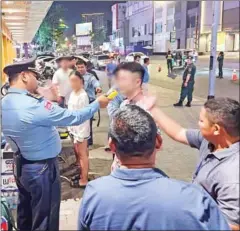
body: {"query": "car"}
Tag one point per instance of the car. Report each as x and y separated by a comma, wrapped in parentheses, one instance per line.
(86, 55)
(180, 58)
(100, 61)
(130, 56)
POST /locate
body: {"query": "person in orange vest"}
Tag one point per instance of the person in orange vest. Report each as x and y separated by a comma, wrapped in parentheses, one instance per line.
(220, 59)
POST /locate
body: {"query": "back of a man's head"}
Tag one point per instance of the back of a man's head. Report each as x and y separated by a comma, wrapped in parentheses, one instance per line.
(134, 132)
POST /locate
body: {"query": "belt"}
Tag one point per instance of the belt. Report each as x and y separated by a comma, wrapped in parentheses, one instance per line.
(25, 161)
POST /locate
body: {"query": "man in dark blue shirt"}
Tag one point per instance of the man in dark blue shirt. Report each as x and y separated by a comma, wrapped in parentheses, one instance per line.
(138, 196)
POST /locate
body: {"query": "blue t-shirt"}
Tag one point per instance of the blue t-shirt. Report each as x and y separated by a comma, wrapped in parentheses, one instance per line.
(146, 199)
(111, 67)
(146, 74)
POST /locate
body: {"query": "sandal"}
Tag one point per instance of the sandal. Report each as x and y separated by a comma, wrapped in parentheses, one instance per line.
(75, 184)
(77, 177)
(73, 178)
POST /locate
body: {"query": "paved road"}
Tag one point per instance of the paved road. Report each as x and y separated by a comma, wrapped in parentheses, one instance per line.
(223, 87)
(177, 160)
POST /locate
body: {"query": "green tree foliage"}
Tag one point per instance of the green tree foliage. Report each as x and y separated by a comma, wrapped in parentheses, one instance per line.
(52, 29)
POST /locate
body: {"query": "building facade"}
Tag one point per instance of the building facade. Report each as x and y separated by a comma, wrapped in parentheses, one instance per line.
(97, 20)
(187, 24)
(120, 37)
(228, 26)
(164, 30)
(140, 17)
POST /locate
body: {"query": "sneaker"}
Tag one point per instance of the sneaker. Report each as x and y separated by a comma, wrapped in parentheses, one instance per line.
(188, 104)
(179, 104)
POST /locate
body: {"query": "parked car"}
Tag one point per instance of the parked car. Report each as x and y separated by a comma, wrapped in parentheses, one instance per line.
(86, 55)
(100, 61)
(180, 57)
(130, 56)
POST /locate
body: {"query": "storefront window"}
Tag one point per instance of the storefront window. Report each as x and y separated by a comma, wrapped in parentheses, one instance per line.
(158, 28)
(191, 21)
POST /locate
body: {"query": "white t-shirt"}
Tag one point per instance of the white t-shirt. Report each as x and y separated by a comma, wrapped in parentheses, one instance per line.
(61, 78)
(78, 101)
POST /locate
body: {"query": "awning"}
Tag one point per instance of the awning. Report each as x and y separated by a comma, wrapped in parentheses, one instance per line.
(23, 18)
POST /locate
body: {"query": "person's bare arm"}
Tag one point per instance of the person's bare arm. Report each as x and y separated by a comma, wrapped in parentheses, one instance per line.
(169, 126)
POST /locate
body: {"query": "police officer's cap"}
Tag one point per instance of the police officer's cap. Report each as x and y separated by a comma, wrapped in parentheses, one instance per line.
(60, 58)
(18, 67)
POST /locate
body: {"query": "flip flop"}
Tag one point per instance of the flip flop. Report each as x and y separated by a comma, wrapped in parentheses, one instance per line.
(77, 177)
(75, 184)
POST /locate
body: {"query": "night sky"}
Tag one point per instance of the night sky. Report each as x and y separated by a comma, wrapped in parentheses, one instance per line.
(74, 9)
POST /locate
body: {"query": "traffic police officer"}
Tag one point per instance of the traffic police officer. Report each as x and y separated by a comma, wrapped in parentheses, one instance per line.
(28, 124)
(188, 84)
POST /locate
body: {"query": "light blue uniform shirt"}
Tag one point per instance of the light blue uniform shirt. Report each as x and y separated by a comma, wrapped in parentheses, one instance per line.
(146, 199)
(146, 74)
(31, 122)
(90, 84)
(114, 105)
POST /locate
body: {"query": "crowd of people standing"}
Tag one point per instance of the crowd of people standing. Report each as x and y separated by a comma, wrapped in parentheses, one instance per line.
(136, 195)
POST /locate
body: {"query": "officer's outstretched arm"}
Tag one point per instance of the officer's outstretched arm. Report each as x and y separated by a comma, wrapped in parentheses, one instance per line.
(49, 114)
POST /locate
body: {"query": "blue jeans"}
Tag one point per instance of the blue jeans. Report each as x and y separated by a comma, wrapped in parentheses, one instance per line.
(39, 196)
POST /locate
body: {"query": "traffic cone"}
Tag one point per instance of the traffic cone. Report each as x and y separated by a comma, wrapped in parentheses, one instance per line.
(234, 75)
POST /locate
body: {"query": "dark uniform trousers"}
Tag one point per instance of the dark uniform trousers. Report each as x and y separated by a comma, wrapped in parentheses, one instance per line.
(39, 195)
(187, 91)
(169, 64)
(220, 68)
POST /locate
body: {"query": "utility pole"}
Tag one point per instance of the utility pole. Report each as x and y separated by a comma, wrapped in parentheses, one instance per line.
(213, 61)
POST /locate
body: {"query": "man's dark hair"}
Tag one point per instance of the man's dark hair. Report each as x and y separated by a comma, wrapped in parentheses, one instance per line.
(136, 56)
(146, 60)
(132, 67)
(13, 77)
(81, 62)
(78, 75)
(226, 113)
(133, 131)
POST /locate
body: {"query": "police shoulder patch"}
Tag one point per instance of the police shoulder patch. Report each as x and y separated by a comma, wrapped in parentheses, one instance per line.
(48, 105)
